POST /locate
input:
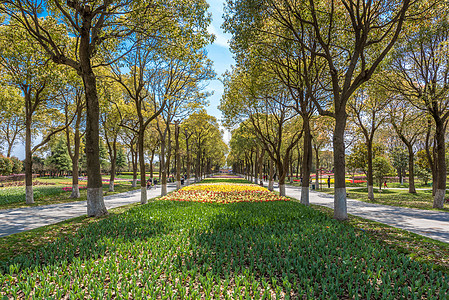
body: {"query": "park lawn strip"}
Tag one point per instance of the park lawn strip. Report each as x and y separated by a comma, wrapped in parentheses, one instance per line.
(418, 247)
(421, 200)
(169, 249)
(14, 197)
(28, 241)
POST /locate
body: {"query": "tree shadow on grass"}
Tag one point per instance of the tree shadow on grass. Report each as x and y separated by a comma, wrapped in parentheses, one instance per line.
(286, 250)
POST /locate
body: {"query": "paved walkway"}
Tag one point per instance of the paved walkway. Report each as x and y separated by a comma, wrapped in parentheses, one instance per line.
(22, 219)
(429, 223)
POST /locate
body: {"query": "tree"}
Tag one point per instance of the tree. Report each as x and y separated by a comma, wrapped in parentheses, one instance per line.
(352, 37)
(121, 161)
(59, 157)
(97, 34)
(420, 74)
(407, 121)
(6, 165)
(366, 107)
(381, 168)
(259, 103)
(74, 105)
(399, 158)
(25, 67)
(12, 118)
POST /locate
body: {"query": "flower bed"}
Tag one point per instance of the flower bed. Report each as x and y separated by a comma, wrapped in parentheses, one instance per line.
(225, 176)
(223, 193)
(171, 250)
(69, 188)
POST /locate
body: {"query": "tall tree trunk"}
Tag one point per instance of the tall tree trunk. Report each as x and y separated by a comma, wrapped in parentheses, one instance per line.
(143, 181)
(340, 206)
(113, 165)
(29, 199)
(189, 166)
(369, 177)
(306, 161)
(162, 169)
(270, 179)
(166, 172)
(256, 167)
(430, 157)
(178, 157)
(411, 170)
(134, 158)
(151, 165)
(317, 167)
(282, 167)
(95, 202)
(440, 192)
(75, 157)
(260, 162)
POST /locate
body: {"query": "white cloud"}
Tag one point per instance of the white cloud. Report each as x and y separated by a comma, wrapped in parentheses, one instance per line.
(220, 38)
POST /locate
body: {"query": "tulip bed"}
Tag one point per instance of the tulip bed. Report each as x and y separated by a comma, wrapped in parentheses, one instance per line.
(172, 250)
(223, 193)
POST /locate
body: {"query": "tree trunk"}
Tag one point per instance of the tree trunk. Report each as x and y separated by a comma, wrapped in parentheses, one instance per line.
(151, 166)
(256, 167)
(189, 166)
(270, 180)
(134, 158)
(162, 169)
(317, 167)
(340, 206)
(440, 192)
(143, 181)
(29, 199)
(113, 165)
(75, 160)
(95, 202)
(306, 161)
(166, 172)
(411, 170)
(369, 175)
(178, 158)
(282, 174)
(260, 162)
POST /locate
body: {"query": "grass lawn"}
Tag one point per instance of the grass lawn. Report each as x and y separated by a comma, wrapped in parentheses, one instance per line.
(421, 200)
(243, 250)
(14, 197)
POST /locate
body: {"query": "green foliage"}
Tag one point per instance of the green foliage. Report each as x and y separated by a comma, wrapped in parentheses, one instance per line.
(358, 159)
(18, 165)
(121, 161)
(252, 249)
(381, 168)
(59, 158)
(10, 165)
(399, 158)
(422, 173)
(6, 165)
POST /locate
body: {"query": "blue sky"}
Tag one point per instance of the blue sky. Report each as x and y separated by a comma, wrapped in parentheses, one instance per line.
(221, 56)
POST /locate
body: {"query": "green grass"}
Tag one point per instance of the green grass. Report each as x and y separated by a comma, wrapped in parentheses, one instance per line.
(421, 200)
(173, 250)
(14, 197)
(420, 248)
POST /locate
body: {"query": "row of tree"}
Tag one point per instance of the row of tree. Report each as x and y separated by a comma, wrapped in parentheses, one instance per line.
(344, 60)
(90, 70)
